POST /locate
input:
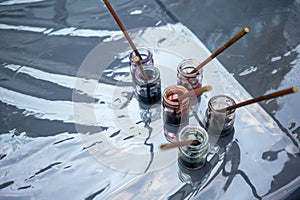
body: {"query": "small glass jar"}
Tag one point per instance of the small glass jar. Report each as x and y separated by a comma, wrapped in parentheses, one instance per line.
(193, 156)
(148, 91)
(147, 59)
(189, 80)
(219, 122)
(175, 113)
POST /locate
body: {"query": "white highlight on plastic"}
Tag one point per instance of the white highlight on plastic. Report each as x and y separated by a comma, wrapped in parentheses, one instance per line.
(248, 71)
(71, 31)
(275, 58)
(136, 12)
(13, 2)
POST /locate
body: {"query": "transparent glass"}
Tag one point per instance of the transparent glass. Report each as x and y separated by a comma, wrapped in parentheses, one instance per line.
(193, 156)
(175, 113)
(194, 177)
(219, 122)
(148, 91)
(147, 59)
(190, 80)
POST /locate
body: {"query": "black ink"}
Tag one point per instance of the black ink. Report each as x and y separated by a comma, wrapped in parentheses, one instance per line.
(91, 197)
(70, 138)
(115, 134)
(2, 156)
(24, 187)
(98, 142)
(4, 185)
(129, 137)
(151, 147)
(45, 169)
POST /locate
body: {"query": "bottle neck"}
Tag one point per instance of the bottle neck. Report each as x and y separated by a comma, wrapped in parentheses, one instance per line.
(185, 68)
(219, 102)
(146, 56)
(152, 73)
(170, 97)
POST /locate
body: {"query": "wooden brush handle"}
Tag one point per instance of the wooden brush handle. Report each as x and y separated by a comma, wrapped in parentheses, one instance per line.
(222, 48)
(264, 97)
(179, 144)
(195, 91)
(122, 27)
(137, 60)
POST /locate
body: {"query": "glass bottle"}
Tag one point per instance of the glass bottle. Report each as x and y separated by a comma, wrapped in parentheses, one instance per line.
(190, 80)
(193, 156)
(148, 91)
(146, 59)
(219, 122)
(175, 113)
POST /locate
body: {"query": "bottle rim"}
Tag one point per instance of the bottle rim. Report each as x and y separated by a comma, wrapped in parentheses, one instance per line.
(202, 147)
(189, 64)
(151, 71)
(175, 89)
(146, 54)
(228, 98)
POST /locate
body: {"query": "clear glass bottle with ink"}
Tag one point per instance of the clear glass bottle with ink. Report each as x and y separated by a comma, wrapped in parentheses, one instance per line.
(148, 91)
(193, 156)
(190, 80)
(146, 59)
(175, 113)
(219, 122)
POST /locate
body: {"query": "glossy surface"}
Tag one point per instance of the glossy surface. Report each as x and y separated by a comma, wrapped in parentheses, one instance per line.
(63, 128)
(149, 90)
(263, 61)
(193, 156)
(216, 121)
